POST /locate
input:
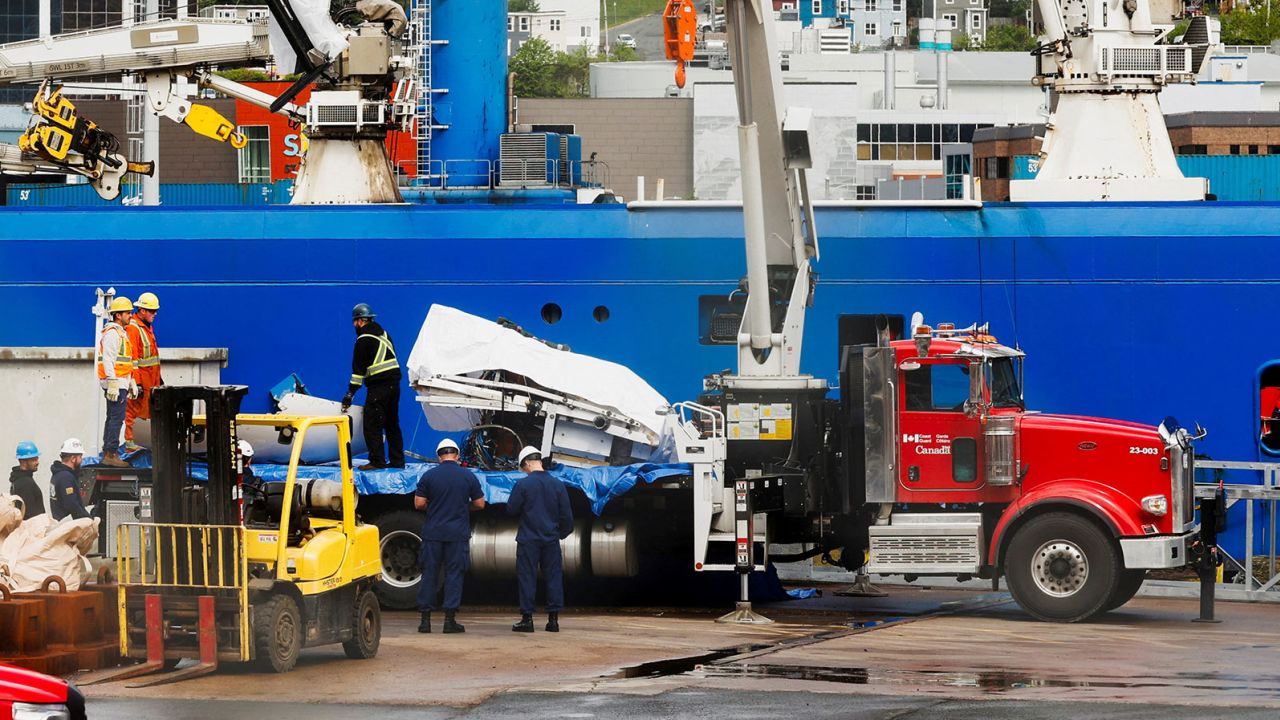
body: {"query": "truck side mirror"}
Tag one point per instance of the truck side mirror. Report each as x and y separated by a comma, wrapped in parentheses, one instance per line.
(977, 375)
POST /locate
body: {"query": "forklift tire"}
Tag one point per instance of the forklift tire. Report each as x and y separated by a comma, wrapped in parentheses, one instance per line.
(366, 628)
(401, 546)
(1129, 585)
(1062, 567)
(277, 634)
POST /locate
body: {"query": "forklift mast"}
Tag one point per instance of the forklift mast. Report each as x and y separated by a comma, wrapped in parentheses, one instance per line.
(175, 433)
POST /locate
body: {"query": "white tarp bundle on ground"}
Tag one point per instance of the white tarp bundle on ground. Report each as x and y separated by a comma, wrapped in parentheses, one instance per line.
(454, 343)
(35, 549)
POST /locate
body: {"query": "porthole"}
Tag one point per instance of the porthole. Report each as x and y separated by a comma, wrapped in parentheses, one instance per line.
(551, 313)
(601, 314)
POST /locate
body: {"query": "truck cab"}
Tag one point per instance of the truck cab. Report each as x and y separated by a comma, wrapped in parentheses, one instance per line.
(965, 481)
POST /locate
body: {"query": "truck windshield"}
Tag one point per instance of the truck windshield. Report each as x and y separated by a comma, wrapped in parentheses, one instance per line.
(1005, 392)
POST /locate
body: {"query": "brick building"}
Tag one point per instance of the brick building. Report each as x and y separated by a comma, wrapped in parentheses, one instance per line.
(994, 152)
(660, 146)
(1225, 133)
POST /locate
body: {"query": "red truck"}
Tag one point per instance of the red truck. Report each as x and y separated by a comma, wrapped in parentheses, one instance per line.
(929, 464)
(29, 695)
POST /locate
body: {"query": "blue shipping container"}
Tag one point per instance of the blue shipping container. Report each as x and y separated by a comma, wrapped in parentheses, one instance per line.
(181, 194)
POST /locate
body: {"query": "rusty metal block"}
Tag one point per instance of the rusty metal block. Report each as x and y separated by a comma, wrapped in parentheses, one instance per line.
(71, 618)
(102, 654)
(110, 613)
(57, 662)
(22, 625)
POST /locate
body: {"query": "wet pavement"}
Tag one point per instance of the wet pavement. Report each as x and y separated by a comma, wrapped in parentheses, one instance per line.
(917, 653)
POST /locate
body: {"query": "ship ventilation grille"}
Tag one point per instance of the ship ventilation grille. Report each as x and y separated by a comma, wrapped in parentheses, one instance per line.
(528, 159)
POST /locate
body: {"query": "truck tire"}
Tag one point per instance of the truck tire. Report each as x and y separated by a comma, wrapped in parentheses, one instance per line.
(1062, 567)
(1129, 585)
(366, 628)
(277, 634)
(401, 545)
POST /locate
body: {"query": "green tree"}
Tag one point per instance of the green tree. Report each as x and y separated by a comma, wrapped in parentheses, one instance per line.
(523, 6)
(534, 65)
(573, 72)
(960, 41)
(1250, 25)
(1009, 38)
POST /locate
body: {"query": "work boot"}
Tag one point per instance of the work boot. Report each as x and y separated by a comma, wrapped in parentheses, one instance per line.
(553, 622)
(424, 625)
(451, 625)
(525, 624)
(371, 466)
(112, 459)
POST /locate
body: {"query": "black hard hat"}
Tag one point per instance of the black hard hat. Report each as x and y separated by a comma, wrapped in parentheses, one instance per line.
(362, 311)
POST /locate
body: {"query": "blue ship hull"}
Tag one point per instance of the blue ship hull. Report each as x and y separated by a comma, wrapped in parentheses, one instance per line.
(1131, 311)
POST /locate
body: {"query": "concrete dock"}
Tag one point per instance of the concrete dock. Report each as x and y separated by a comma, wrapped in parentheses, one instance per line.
(952, 653)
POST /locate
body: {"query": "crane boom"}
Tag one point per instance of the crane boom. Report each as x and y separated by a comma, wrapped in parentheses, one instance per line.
(147, 46)
(778, 223)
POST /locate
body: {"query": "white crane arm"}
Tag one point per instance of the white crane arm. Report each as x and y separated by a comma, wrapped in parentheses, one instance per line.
(145, 46)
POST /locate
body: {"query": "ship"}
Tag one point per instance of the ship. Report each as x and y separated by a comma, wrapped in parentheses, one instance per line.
(1133, 310)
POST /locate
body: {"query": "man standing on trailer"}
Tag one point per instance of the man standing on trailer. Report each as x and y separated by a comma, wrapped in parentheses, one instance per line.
(115, 373)
(449, 493)
(542, 504)
(374, 365)
(146, 363)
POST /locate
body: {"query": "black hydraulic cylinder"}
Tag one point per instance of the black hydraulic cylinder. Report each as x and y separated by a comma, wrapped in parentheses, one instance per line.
(1213, 516)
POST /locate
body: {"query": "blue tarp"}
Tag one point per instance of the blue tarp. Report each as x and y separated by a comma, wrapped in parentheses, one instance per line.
(600, 485)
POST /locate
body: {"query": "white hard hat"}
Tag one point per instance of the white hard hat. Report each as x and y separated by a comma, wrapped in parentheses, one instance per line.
(528, 451)
(72, 446)
(246, 450)
(446, 445)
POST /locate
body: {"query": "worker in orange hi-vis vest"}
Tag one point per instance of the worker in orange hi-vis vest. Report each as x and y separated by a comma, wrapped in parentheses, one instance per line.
(146, 363)
(115, 373)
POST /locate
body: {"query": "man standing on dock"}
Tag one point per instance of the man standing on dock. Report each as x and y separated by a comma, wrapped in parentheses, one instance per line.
(542, 504)
(115, 373)
(22, 480)
(449, 493)
(374, 365)
(146, 363)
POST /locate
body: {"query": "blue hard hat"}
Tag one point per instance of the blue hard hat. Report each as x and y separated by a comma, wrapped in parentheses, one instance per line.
(27, 450)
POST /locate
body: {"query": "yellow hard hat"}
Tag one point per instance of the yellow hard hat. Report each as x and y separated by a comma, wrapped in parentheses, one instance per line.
(148, 301)
(120, 304)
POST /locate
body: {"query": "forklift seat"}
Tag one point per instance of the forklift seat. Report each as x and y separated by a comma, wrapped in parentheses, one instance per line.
(299, 524)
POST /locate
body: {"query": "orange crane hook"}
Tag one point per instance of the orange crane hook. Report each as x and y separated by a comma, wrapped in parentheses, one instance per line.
(680, 28)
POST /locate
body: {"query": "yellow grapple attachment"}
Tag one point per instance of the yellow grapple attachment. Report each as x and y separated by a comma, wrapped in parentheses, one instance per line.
(206, 121)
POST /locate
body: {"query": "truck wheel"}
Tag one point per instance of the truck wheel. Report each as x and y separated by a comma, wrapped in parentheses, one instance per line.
(401, 547)
(277, 634)
(1062, 567)
(366, 628)
(1130, 583)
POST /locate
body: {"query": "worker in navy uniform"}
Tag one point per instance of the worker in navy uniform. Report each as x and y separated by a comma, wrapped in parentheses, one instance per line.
(374, 365)
(449, 493)
(64, 488)
(542, 504)
(22, 480)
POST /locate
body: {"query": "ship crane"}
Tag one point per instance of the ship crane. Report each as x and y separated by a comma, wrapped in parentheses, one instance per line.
(1106, 63)
(362, 92)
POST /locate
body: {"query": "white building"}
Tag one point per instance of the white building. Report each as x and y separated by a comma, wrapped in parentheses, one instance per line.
(565, 25)
(252, 13)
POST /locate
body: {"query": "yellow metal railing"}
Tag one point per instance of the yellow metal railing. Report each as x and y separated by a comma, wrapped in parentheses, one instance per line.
(154, 557)
(181, 556)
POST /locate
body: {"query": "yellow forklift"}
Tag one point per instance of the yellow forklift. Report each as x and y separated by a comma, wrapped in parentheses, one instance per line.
(226, 568)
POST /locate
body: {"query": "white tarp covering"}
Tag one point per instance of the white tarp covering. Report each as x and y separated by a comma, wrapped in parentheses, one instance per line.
(454, 343)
